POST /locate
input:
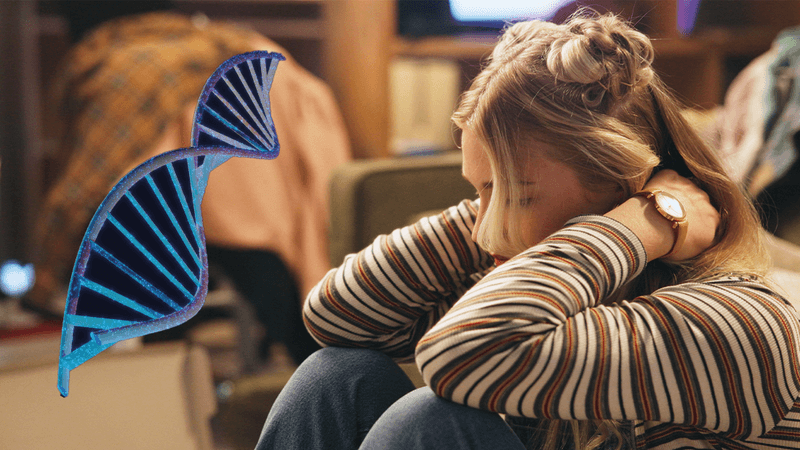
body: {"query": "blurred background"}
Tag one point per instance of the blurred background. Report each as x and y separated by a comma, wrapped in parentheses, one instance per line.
(372, 80)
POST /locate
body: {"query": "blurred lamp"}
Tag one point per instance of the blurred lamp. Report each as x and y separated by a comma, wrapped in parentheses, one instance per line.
(16, 279)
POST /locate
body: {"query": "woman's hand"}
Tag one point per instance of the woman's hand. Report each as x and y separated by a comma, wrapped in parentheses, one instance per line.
(656, 232)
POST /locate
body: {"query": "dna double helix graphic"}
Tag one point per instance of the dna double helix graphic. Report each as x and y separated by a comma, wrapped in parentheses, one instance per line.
(142, 265)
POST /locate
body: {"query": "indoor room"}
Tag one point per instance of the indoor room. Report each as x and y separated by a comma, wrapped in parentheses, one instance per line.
(109, 128)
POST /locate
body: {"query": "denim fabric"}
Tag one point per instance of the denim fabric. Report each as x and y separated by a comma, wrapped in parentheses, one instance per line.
(340, 397)
(332, 400)
(423, 421)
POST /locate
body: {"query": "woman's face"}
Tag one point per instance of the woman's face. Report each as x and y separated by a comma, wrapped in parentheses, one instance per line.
(553, 194)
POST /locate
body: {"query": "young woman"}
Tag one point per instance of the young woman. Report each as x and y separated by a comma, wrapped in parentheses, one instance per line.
(604, 290)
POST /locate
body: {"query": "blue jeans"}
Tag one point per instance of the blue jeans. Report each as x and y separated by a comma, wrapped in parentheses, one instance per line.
(346, 399)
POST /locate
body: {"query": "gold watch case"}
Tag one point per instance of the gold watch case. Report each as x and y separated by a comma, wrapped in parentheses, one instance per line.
(672, 209)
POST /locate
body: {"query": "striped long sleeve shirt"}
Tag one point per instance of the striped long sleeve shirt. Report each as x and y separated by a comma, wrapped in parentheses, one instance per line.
(713, 364)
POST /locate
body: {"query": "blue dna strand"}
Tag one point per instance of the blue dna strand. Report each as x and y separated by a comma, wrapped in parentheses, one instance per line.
(142, 265)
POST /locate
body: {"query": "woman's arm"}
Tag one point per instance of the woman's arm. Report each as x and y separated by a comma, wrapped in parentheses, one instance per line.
(532, 339)
(389, 294)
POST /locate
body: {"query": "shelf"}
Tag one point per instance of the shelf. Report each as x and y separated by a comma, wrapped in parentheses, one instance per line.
(465, 46)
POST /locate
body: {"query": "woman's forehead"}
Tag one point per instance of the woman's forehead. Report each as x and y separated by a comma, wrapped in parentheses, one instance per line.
(476, 167)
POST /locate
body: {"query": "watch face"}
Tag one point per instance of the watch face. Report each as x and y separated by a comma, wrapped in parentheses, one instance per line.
(670, 205)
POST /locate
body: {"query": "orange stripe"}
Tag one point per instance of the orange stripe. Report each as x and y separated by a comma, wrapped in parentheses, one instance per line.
(453, 233)
(611, 233)
(639, 369)
(587, 248)
(321, 335)
(599, 381)
(787, 329)
(431, 256)
(363, 274)
(548, 399)
(452, 329)
(452, 374)
(505, 294)
(762, 351)
(576, 266)
(680, 358)
(564, 285)
(727, 364)
(353, 317)
(533, 274)
(472, 209)
(407, 276)
(785, 433)
(520, 368)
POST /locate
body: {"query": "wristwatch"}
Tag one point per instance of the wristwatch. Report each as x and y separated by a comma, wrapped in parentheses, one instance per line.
(671, 208)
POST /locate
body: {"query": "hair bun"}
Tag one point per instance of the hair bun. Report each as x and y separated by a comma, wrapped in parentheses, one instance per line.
(602, 50)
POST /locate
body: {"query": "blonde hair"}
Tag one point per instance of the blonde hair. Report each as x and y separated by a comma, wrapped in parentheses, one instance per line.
(588, 89)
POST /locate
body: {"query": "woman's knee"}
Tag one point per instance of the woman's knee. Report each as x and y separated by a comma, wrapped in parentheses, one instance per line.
(420, 403)
(331, 366)
(422, 409)
(335, 361)
(422, 420)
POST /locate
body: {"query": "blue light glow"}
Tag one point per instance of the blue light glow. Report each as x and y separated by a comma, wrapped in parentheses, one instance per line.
(16, 279)
(500, 10)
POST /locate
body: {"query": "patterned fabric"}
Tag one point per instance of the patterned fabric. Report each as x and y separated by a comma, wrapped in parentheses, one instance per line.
(755, 131)
(780, 152)
(739, 131)
(712, 364)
